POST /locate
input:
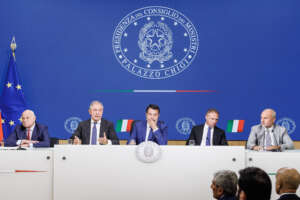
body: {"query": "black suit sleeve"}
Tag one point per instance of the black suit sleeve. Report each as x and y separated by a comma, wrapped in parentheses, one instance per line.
(111, 133)
(78, 132)
(12, 139)
(223, 140)
(43, 139)
(192, 136)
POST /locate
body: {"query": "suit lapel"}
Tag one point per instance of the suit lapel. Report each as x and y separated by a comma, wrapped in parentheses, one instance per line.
(145, 130)
(88, 131)
(261, 136)
(23, 134)
(276, 135)
(102, 128)
(214, 136)
(34, 135)
(200, 135)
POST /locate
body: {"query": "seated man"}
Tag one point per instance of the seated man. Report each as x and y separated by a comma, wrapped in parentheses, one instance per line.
(269, 136)
(287, 183)
(254, 184)
(29, 134)
(96, 130)
(224, 185)
(208, 134)
(150, 129)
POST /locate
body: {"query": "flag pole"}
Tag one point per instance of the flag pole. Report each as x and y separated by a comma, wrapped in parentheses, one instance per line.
(13, 46)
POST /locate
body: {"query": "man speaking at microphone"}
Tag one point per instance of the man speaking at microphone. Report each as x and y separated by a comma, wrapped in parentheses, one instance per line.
(150, 129)
(269, 136)
(96, 130)
(29, 134)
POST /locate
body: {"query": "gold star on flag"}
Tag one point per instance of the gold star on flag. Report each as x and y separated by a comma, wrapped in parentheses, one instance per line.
(3, 121)
(11, 123)
(18, 87)
(8, 84)
(20, 119)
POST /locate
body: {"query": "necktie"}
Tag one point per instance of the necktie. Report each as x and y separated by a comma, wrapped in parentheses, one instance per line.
(208, 137)
(28, 134)
(94, 134)
(268, 138)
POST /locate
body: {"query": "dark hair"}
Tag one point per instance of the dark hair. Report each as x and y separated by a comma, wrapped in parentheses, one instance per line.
(153, 106)
(255, 183)
(212, 110)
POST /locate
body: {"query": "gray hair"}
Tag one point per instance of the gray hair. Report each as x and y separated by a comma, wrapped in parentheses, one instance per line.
(271, 110)
(95, 102)
(227, 180)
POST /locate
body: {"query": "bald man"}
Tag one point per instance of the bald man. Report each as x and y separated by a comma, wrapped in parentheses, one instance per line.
(29, 134)
(269, 136)
(287, 182)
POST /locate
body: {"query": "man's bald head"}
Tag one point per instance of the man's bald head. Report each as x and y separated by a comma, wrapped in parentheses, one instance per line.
(28, 118)
(268, 117)
(287, 180)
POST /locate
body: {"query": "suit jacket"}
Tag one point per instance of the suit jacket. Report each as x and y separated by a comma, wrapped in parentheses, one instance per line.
(40, 133)
(257, 137)
(289, 197)
(138, 133)
(83, 131)
(219, 137)
(228, 198)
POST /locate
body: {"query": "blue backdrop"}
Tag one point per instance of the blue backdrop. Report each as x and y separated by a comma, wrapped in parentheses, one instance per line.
(245, 53)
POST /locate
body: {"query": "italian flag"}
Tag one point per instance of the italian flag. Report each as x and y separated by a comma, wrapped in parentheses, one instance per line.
(235, 126)
(124, 125)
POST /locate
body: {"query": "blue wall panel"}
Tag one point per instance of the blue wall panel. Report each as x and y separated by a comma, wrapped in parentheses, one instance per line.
(248, 55)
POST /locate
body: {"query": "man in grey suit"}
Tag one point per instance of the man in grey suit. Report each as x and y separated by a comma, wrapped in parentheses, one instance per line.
(269, 136)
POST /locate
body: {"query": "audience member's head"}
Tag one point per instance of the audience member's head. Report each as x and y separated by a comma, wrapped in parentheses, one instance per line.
(287, 180)
(224, 183)
(254, 184)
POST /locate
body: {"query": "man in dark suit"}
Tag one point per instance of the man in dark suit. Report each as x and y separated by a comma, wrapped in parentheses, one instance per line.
(208, 134)
(224, 185)
(96, 130)
(287, 182)
(150, 129)
(29, 134)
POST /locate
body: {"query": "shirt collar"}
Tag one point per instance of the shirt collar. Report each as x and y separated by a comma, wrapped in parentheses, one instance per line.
(31, 128)
(93, 122)
(206, 126)
(269, 129)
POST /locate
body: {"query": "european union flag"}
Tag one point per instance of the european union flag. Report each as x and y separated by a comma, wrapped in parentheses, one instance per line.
(12, 102)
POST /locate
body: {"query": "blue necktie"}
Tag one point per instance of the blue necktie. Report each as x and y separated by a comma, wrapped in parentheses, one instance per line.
(94, 134)
(208, 137)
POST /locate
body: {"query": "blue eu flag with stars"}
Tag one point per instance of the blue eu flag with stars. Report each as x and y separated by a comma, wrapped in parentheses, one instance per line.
(12, 102)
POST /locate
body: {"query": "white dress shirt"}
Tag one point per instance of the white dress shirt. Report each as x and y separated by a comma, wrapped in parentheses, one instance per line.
(204, 135)
(98, 131)
(147, 132)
